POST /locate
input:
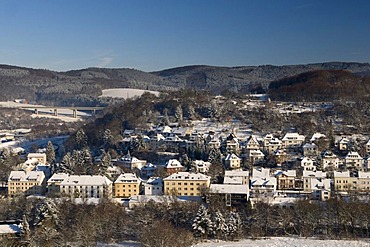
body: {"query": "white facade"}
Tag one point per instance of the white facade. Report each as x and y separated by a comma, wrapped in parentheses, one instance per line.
(292, 140)
(232, 161)
(154, 186)
(86, 186)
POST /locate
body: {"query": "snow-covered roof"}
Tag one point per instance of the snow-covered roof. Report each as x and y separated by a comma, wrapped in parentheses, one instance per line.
(293, 136)
(353, 155)
(309, 145)
(187, 176)
(173, 163)
(268, 181)
(316, 136)
(316, 174)
(261, 172)
(26, 176)
(36, 155)
(233, 180)
(154, 180)
(229, 189)
(344, 174)
(235, 173)
(58, 177)
(85, 180)
(363, 174)
(288, 173)
(232, 157)
(127, 178)
(10, 228)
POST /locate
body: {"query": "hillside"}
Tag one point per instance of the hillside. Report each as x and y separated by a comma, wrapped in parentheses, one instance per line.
(82, 87)
(321, 85)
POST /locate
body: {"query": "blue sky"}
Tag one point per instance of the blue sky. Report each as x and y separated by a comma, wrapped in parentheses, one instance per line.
(154, 35)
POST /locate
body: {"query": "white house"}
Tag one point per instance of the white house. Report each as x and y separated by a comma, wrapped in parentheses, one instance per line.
(329, 159)
(354, 160)
(201, 166)
(318, 184)
(292, 140)
(86, 186)
(252, 143)
(310, 149)
(154, 186)
(307, 164)
(232, 161)
(262, 183)
(243, 176)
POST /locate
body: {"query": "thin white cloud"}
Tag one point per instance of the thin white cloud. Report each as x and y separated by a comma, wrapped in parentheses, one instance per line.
(104, 61)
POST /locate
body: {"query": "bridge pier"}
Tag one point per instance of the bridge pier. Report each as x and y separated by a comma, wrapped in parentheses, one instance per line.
(74, 113)
(36, 111)
(55, 112)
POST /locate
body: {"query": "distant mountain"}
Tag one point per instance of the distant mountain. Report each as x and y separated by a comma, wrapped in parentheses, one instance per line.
(81, 87)
(321, 85)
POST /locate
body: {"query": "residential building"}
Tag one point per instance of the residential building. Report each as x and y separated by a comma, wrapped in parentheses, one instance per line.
(242, 175)
(232, 161)
(29, 183)
(329, 160)
(280, 156)
(286, 179)
(252, 143)
(310, 150)
(346, 182)
(273, 145)
(173, 165)
(292, 140)
(318, 184)
(40, 157)
(201, 166)
(307, 164)
(148, 170)
(131, 162)
(266, 139)
(126, 185)
(154, 186)
(86, 186)
(262, 183)
(232, 144)
(354, 160)
(343, 182)
(231, 194)
(255, 156)
(316, 136)
(343, 144)
(53, 184)
(367, 146)
(186, 184)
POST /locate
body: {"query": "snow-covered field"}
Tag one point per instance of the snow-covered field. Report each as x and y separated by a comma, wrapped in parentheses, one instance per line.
(270, 242)
(287, 242)
(125, 92)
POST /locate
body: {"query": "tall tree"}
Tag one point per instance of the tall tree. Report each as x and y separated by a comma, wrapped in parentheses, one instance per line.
(81, 139)
(50, 153)
(202, 224)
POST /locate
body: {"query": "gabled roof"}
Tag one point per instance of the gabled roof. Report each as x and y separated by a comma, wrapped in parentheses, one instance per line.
(232, 157)
(173, 163)
(26, 176)
(293, 136)
(316, 136)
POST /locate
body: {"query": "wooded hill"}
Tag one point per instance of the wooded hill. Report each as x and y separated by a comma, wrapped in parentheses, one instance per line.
(321, 85)
(81, 87)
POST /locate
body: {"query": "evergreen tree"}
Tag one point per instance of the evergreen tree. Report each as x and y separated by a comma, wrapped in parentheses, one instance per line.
(202, 224)
(234, 225)
(107, 138)
(67, 165)
(220, 225)
(50, 153)
(179, 113)
(81, 139)
(25, 232)
(215, 156)
(105, 163)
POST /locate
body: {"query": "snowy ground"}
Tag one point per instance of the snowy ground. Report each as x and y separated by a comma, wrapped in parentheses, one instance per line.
(287, 242)
(125, 92)
(271, 242)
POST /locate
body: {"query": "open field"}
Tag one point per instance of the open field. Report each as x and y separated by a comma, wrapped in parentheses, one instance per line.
(125, 92)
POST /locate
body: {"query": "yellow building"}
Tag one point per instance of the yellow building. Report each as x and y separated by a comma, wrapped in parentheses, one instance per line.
(127, 185)
(343, 182)
(40, 157)
(30, 183)
(186, 184)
